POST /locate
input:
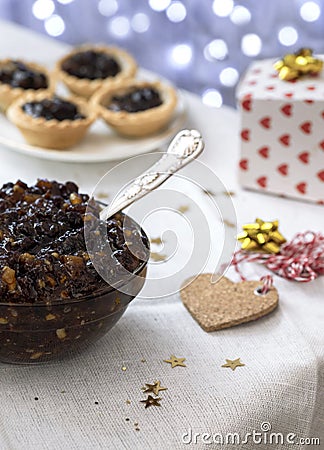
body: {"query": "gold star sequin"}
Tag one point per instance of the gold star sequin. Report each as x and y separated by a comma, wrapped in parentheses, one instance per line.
(233, 363)
(102, 195)
(174, 361)
(261, 236)
(209, 192)
(157, 241)
(157, 257)
(228, 223)
(229, 193)
(151, 401)
(296, 65)
(183, 209)
(155, 388)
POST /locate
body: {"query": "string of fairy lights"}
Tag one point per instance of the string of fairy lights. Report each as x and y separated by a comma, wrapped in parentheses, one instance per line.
(203, 60)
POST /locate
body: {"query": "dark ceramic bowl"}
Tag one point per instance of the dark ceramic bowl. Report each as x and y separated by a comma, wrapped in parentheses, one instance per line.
(37, 333)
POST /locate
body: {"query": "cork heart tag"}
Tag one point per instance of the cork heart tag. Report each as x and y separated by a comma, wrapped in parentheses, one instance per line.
(225, 304)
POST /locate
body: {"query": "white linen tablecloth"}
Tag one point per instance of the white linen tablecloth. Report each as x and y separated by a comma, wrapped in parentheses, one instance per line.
(82, 401)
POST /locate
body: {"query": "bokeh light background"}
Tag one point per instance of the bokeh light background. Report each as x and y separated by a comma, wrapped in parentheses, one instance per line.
(201, 45)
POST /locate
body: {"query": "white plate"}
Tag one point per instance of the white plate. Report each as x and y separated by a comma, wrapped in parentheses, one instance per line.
(100, 143)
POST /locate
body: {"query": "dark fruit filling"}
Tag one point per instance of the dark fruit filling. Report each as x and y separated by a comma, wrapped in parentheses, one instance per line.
(43, 254)
(135, 101)
(18, 75)
(55, 108)
(91, 65)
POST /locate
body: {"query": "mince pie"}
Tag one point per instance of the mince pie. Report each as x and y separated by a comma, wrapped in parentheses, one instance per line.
(18, 77)
(87, 69)
(136, 108)
(50, 121)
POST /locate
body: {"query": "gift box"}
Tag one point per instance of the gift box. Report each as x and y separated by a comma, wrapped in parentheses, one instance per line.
(282, 133)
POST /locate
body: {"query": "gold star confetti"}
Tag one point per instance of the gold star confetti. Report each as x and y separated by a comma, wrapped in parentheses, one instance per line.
(183, 209)
(102, 195)
(158, 256)
(117, 300)
(261, 236)
(229, 224)
(157, 241)
(229, 193)
(155, 388)
(174, 361)
(128, 402)
(124, 368)
(296, 65)
(233, 363)
(151, 401)
(209, 192)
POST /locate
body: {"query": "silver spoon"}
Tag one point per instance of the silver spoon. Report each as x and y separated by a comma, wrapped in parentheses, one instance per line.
(184, 148)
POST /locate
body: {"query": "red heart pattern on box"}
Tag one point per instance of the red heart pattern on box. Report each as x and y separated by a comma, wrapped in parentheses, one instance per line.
(306, 127)
(247, 104)
(282, 133)
(245, 134)
(287, 109)
(284, 139)
(264, 152)
(302, 187)
(244, 164)
(304, 157)
(283, 169)
(265, 122)
(262, 181)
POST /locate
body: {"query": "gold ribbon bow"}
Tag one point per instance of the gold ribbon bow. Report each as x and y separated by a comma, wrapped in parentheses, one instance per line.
(296, 65)
(261, 236)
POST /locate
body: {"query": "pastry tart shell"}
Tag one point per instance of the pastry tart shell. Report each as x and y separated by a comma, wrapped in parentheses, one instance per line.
(53, 134)
(85, 87)
(141, 123)
(9, 94)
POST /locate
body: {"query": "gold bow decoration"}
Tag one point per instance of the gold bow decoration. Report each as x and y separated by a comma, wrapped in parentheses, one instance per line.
(296, 65)
(261, 236)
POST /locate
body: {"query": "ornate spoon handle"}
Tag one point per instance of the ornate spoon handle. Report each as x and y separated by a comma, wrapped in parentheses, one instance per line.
(184, 148)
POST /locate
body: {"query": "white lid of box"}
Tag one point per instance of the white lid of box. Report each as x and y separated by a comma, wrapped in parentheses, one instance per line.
(261, 82)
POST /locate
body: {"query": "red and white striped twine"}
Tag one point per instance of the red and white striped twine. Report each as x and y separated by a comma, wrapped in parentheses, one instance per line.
(267, 284)
(301, 259)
